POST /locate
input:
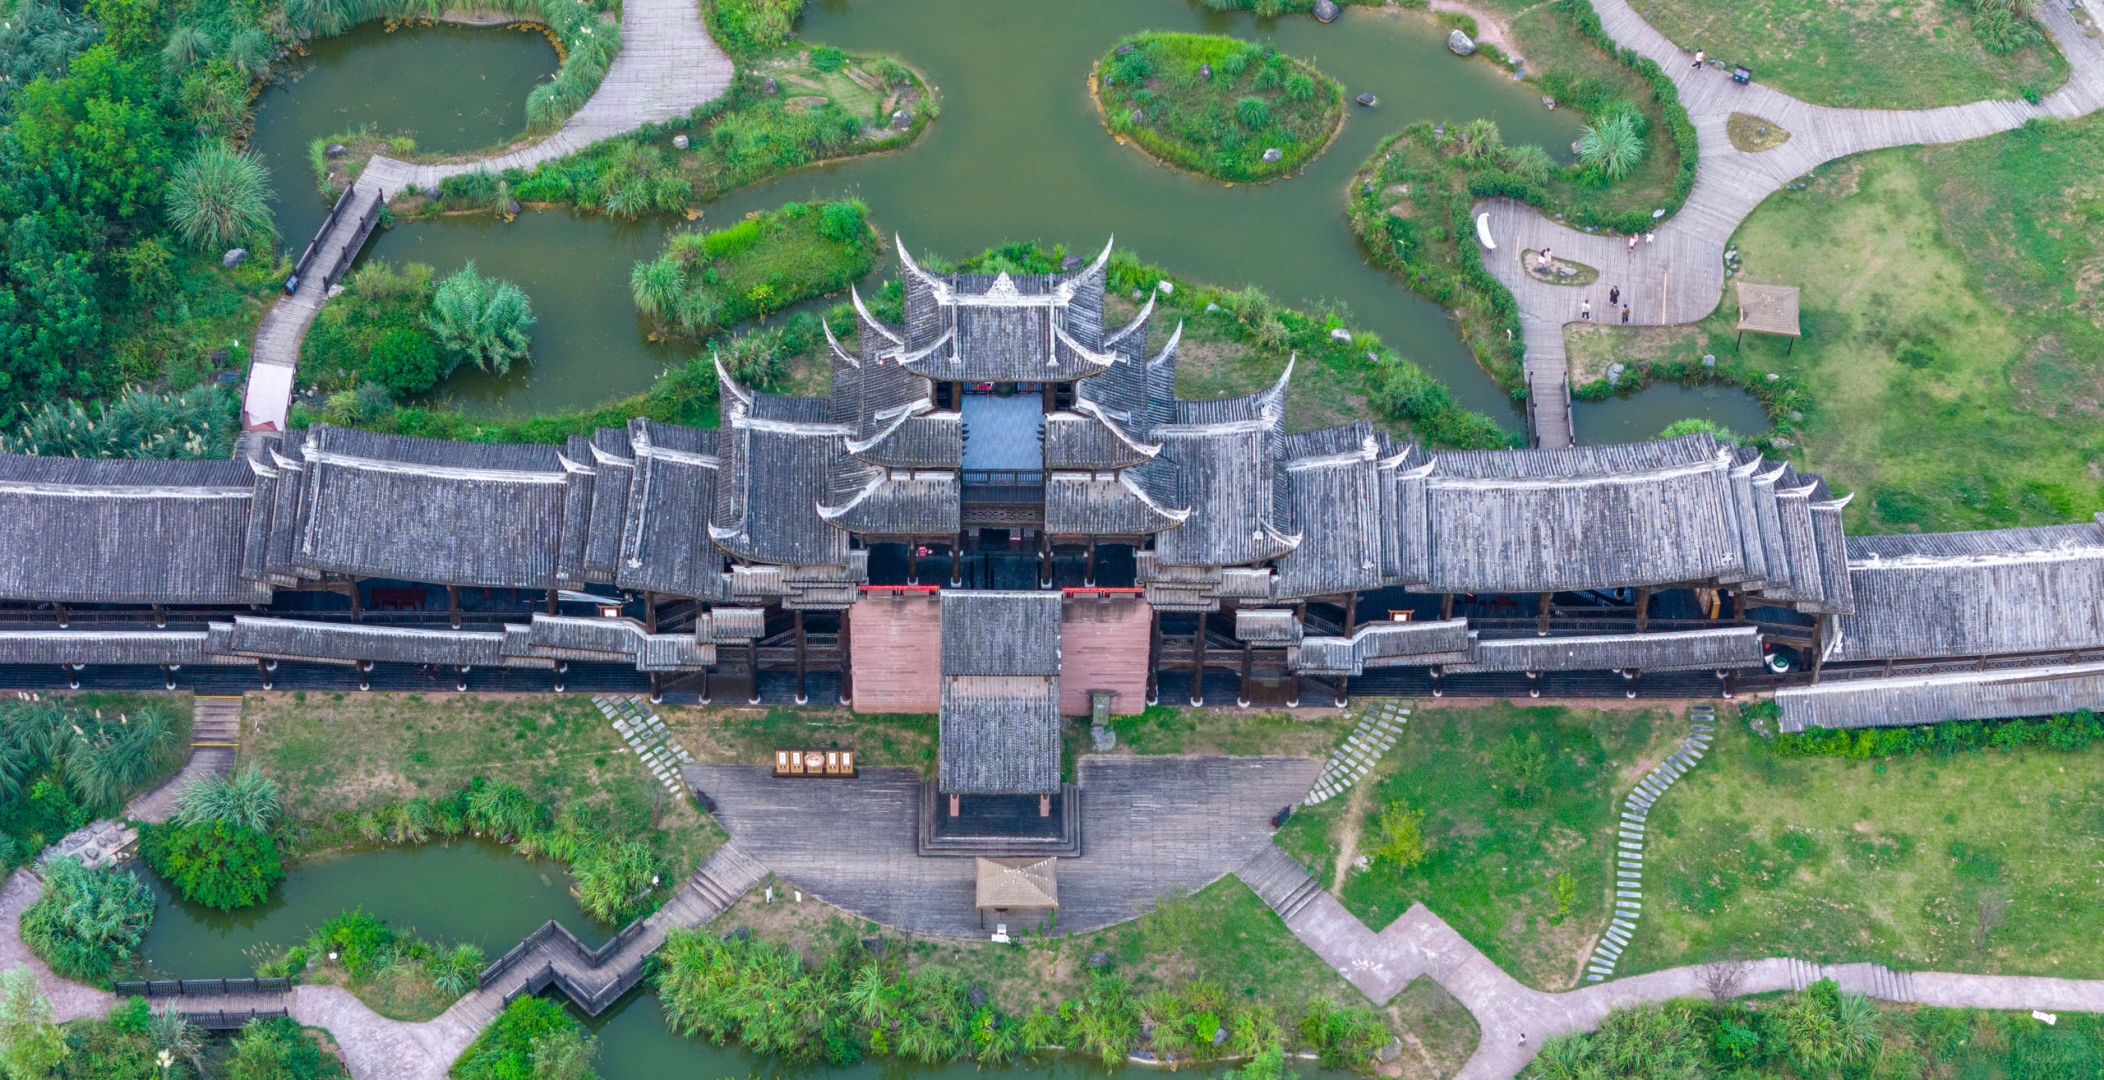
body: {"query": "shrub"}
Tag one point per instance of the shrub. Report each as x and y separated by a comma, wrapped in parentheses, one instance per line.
(746, 27)
(487, 321)
(828, 59)
(88, 921)
(1614, 146)
(279, 1050)
(706, 281)
(1253, 112)
(247, 799)
(1525, 766)
(221, 865)
(532, 1038)
(358, 941)
(200, 422)
(1399, 836)
(219, 196)
(31, 1044)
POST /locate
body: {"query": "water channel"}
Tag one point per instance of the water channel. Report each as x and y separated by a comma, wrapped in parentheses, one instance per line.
(485, 894)
(1018, 154)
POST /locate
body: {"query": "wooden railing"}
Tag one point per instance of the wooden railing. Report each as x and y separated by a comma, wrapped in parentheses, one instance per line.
(168, 988)
(552, 941)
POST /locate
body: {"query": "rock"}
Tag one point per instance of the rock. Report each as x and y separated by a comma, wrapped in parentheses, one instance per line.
(1566, 271)
(901, 120)
(1168, 288)
(1124, 50)
(1220, 1036)
(1327, 11)
(512, 207)
(1459, 44)
(1137, 296)
(770, 86)
(1363, 862)
(1439, 129)
(234, 258)
(1548, 102)
(1138, 117)
(1390, 1052)
(1205, 71)
(1210, 308)
(680, 142)
(1341, 334)
(1103, 739)
(1274, 154)
(1773, 377)
(1781, 443)
(1656, 214)
(1373, 358)
(977, 996)
(1709, 360)
(1099, 961)
(740, 934)
(1367, 99)
(1070, 264)
(336, 150)
(875, 946)
(1795, 416)
(1614, 373)
(221, 355)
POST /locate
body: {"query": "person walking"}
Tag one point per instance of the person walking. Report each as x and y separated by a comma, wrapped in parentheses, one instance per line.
(1585, 309)
(1625, 314)
(1614, 295)
(1632, 241)
(1699, 57)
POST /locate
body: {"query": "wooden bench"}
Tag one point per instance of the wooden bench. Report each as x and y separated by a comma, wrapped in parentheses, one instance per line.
(820, 764)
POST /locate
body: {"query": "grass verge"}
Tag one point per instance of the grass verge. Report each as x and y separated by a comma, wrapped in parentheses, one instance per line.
(1499, 834)
(1964, 863)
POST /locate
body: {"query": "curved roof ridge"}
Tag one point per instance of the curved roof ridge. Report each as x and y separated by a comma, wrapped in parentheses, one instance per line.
(862, 310)
(833, 343)
(1138, 321)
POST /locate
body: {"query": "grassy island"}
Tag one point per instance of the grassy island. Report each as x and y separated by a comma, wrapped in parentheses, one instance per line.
(707, 281)
(1229, 109)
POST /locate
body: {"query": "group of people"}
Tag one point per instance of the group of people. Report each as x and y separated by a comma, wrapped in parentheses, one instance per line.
(1614, 300)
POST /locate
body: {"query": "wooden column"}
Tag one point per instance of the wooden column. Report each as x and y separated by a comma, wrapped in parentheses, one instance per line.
(752, 664)
(357, 605)
(160, 616)
(1351, 612)
(1738, 605)
(801, 697)
(957, 561)
(1248, 658)
(553, 602)
(1643, 609)
(1198, 662)
(1154, 656)
(847, 667)
(1446, 606)
(453, 604)
(955, 804)
(1088, 574)
(1044, 806)
(912, 563)
(650, 612)
(1044, 560)
(1818, 640)
(704, 686)
(1543, 627)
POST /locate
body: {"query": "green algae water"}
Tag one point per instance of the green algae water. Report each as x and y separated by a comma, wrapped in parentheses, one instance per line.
(465, 891)
(1019, 153)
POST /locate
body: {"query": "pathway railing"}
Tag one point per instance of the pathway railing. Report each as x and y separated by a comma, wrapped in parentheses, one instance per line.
(169, 988)
(300, 268)
(552, 942)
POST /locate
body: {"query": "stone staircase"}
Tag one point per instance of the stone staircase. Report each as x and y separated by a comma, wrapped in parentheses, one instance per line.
(717, 884)
(1280, 881)
(646, 735)
(1379, 726)
(1629, 841)
(1870, 980)
(215, 745)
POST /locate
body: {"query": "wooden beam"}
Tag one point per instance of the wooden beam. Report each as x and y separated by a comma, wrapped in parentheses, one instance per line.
(1351, 612)
(1154, 656)
(1543, 627)
(1643, 608)
(801, 697)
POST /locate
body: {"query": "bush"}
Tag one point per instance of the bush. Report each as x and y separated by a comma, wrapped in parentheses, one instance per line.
(220, 196)
(279, 1050)
(1156, 89)
(2073, 731)
(1399, 836)
(221, 865)
(31, 1044)
(487, 321)
(354, 939)
(532, 1039)
(749, 27)
(88, 921)
(247, 799)
(1612, 147)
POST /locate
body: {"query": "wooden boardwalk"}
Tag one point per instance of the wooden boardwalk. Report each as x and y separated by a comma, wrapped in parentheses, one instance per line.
(667, 67)
(1678, 276)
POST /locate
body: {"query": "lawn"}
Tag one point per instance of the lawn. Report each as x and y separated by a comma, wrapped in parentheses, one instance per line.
(734, 736)
(335, 754)
(1238, 732)
(1975, 862)
(1953, 310)
(707, 281)
(1867, 53)
(1217, 106)
(1494, 855)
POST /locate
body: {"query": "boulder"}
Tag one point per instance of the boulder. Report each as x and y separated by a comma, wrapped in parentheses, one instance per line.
(1709, 360)
(1099, 960)
(1070, 264)
(874, 945)
(1614, 373)
(1274, 154)
(512, 207)
(1138, 117)
(1327, 11)
(976, 996)
(234, 258)
(1125, 50)
(1367, 99)
(1167, 288)
(336, 150)
(1210, 308)
(680, 142)
(1341, 334)
(1460, 44)
(1205, 71)
(901, 120)
(770, 86)
(1390, 1052)
(1773, 377)
(1220, 1036)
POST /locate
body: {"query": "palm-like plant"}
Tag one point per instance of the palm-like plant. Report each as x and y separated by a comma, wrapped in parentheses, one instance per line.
(219, 196)
(107, 762)
(174, 1035)
(486, 320)
(1612, 147)
(658, 286)
(456, 972)
(248, 799)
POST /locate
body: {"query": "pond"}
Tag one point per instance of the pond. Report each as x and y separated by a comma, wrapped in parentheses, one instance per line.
(464, 891)
(486, 894)
(1018, 154)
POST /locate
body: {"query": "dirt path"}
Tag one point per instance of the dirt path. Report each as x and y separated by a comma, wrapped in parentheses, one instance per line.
(1348, 842)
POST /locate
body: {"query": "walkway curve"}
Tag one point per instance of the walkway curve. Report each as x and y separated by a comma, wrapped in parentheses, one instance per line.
(1678, 277)
(1422, 944)
(667, 67)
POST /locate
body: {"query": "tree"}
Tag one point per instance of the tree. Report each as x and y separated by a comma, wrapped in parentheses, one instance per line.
(219, 864)
(1399, 836)
(31, 1044)
(220, 196)
(1525, 767)
(405, 362)
(844, 221)
(1614, 146)
(50, 322)
(1723, 978)
(87, 921)
(484, 320)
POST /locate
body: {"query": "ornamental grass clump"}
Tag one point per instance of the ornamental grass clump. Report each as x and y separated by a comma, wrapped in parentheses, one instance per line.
(485, 321)
(200, 422)
(220, 196)
(88, 921)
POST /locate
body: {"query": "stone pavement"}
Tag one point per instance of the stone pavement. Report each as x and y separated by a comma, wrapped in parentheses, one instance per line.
(647, 737)
(1421, 944)
(1379, 726)
(1629, 840)
(1678, 277)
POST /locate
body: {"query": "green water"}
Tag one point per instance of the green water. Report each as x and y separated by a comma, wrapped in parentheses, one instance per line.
(460, 892)
(1018, 154)
(454, 89)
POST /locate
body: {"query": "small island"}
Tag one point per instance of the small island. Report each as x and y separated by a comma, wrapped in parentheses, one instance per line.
(1229, 109)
